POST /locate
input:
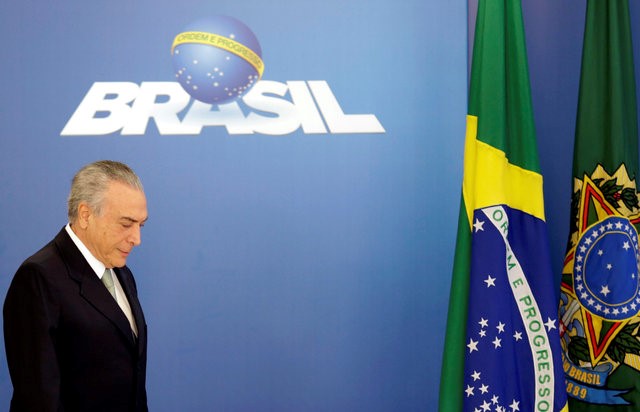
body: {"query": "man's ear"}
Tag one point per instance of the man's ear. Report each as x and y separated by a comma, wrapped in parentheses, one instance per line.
(84, 214)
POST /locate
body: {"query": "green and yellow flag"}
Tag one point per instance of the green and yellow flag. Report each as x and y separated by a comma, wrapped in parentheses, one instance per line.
(600, 292)
(502, 350)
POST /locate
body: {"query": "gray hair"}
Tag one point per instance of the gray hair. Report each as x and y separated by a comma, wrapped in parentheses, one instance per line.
(91, 182)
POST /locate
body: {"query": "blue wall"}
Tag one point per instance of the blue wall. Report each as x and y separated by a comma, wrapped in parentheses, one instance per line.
(302, 272)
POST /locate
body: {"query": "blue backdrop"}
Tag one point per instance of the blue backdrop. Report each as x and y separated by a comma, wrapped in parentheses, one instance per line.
(295, 272)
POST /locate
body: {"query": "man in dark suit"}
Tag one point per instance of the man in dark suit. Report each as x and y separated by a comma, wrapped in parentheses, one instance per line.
(75, 334)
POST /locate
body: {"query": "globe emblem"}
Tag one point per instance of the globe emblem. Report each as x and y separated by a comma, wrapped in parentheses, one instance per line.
(606, 268)
(217, 60)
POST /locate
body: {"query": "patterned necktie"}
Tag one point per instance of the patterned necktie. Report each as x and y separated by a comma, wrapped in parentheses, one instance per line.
(107, 280)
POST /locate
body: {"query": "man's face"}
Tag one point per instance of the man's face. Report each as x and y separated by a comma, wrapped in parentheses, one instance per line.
(112, 234)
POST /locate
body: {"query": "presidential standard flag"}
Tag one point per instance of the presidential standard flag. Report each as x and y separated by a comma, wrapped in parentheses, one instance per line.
(502, 350)
(600, 292)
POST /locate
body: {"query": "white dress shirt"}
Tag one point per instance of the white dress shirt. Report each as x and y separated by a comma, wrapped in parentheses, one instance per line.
(98, 267)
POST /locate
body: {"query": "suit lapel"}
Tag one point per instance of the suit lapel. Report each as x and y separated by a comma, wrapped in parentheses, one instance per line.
(91, 288)
(97, 295)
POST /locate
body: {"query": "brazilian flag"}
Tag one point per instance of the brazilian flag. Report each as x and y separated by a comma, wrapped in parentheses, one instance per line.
(502, 349)
(600, 290)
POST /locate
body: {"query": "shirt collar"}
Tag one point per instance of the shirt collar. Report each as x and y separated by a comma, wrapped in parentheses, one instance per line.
(95, 264)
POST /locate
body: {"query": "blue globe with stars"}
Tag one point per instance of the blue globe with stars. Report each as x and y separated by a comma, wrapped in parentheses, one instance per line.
(217, 60)
(606, 268)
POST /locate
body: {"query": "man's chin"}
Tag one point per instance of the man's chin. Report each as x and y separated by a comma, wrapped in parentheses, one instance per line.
(118, 263)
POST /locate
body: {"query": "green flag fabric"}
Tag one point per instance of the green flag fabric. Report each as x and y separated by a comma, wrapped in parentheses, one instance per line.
(502, 349)
(600, 291)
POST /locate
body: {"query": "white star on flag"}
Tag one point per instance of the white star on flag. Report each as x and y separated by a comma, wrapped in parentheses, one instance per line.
(478, 225)
(469, 391)
(550, 324)
(497, 343)
(490, 281)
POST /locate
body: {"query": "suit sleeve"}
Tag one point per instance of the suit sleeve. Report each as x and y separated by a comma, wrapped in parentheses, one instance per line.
(30, 316)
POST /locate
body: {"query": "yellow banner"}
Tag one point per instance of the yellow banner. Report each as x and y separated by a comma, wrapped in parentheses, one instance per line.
(220, 42)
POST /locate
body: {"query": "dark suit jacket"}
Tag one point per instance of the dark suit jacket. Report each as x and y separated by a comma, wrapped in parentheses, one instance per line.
(69, 345)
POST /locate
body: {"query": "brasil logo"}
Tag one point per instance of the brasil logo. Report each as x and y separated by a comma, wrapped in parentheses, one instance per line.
(218, 70)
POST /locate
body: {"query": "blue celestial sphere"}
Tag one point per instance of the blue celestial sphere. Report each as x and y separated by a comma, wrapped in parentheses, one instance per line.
(606, 269)
(217, 60)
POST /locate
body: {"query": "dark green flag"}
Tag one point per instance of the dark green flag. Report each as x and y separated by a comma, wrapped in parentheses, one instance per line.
(600, 293)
